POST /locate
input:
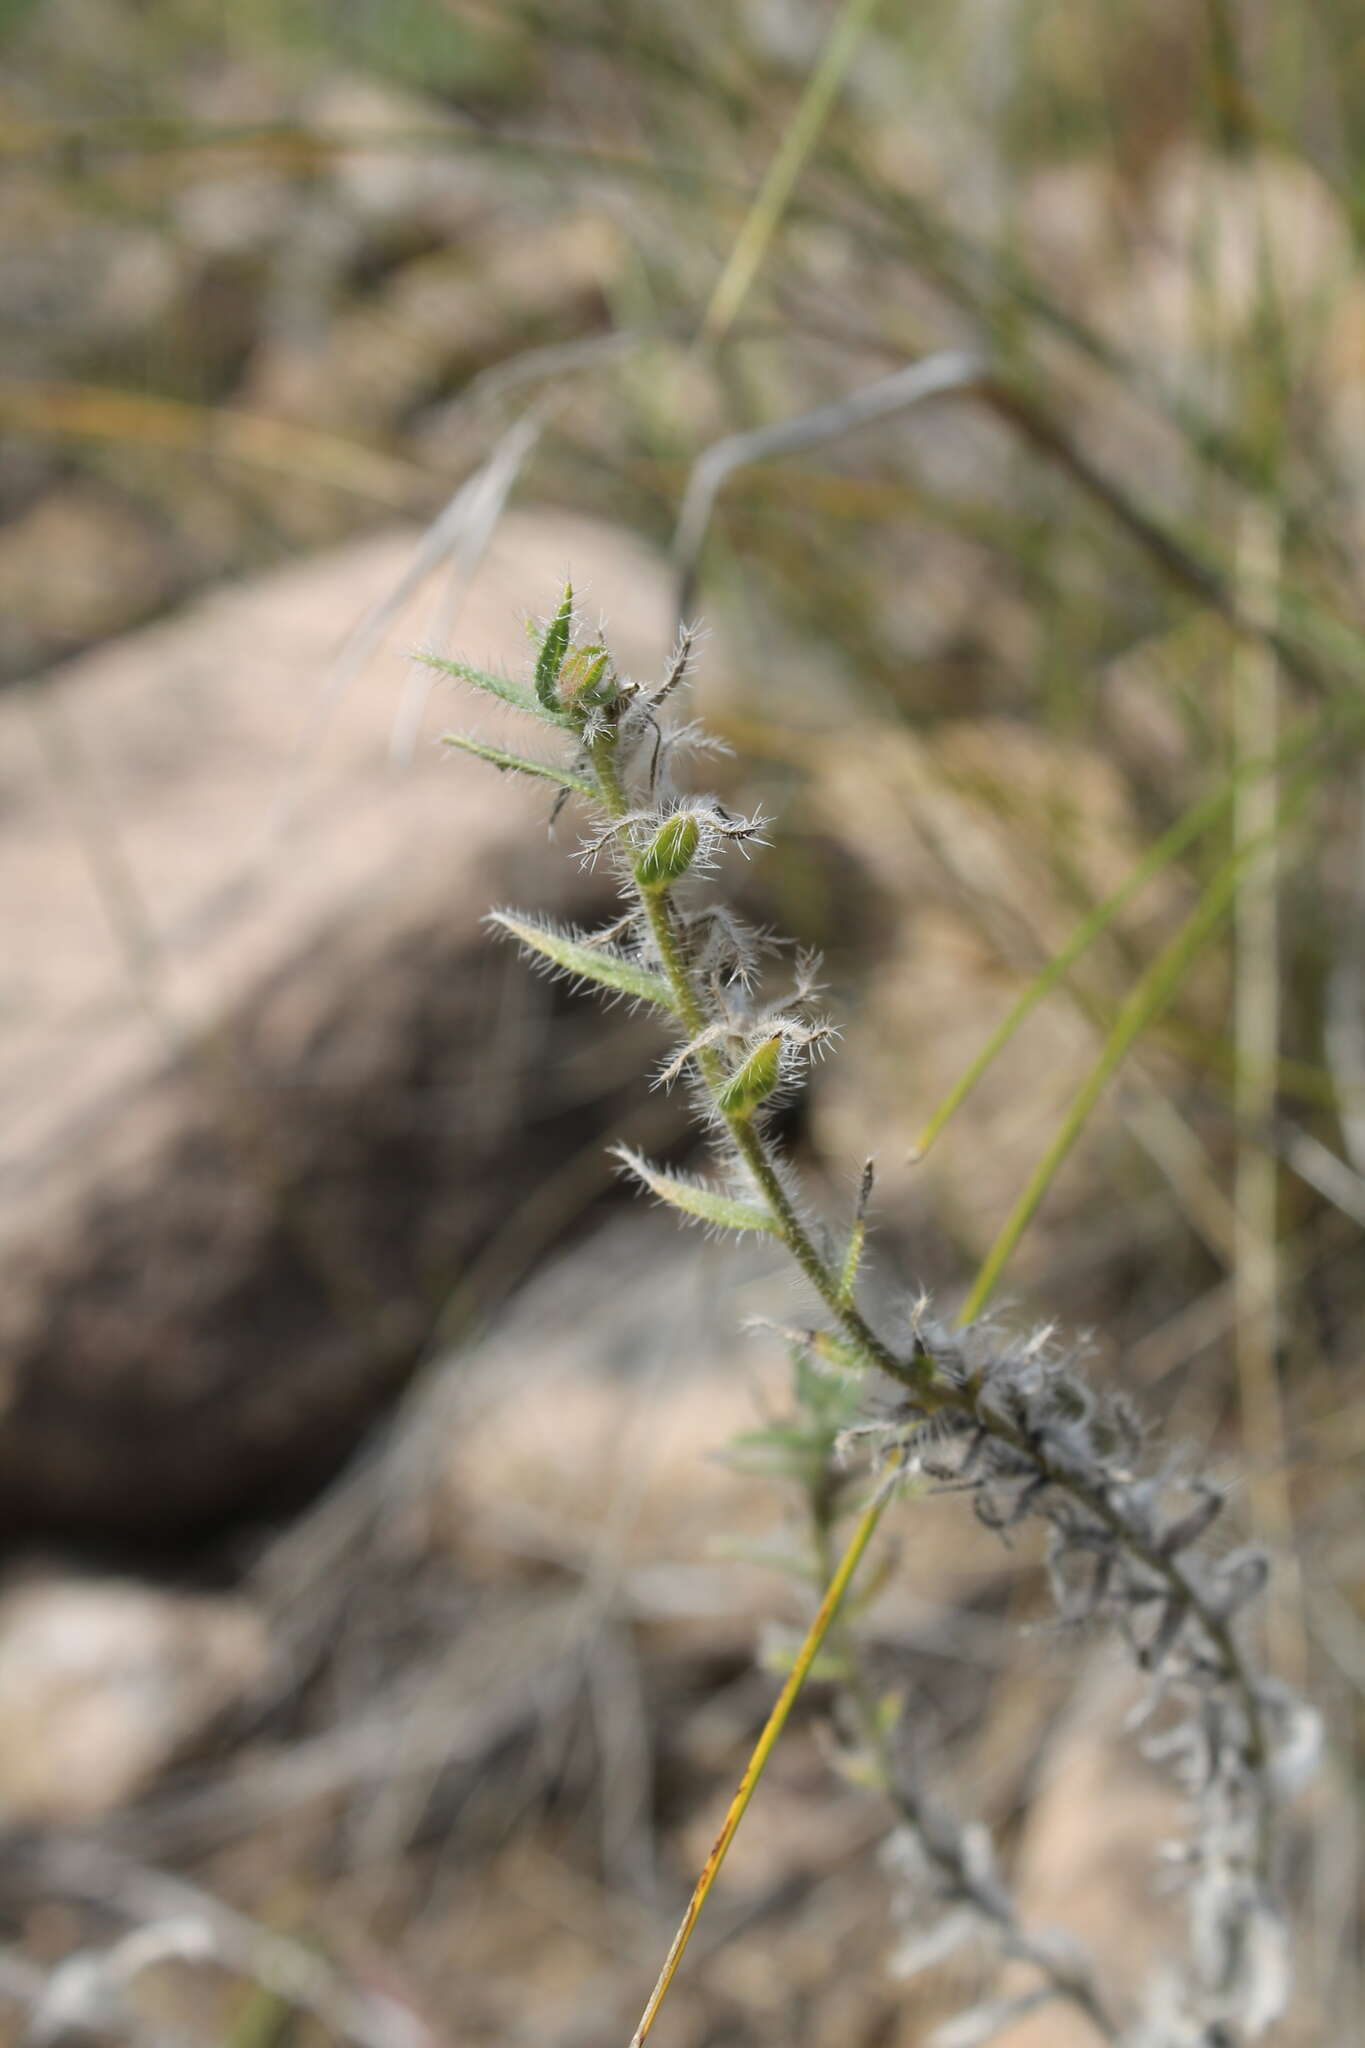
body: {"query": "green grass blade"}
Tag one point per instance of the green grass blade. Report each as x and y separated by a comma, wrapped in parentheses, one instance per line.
(1200, 818)
(1150, 997)
(800, 137)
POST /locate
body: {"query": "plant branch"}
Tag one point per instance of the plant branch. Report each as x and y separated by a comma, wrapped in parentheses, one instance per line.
(748, 1141)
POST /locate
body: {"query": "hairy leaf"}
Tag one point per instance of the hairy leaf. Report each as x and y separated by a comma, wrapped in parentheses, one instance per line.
(706, 1205)
(553, 649)
(549, 771)
(572, 955)
(501, 687)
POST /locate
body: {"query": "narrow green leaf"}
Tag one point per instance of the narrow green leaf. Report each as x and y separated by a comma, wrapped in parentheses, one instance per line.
(1310, 736)
(707, 1205)
(549, 771)
(1145, 1002)
(769, 1558)
(602, 964)
(501, 687)
(784, 1436)
(799, 138)
(553, 649)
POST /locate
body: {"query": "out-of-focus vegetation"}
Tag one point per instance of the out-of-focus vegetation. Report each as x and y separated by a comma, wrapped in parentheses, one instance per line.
(331, 218)
(273, 275)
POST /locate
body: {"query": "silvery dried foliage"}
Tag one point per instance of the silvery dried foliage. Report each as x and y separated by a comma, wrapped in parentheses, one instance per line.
(1010, 1422)
(1014, 1425)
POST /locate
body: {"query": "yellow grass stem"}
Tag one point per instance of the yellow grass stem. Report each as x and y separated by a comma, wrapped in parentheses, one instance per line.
(763, 1749)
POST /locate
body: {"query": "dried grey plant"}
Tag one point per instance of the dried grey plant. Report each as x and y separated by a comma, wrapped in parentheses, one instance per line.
(1009, 1421)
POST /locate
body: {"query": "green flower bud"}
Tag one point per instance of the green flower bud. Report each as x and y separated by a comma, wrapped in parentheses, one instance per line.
(670, 853)
(586, 678)
(755, 1081)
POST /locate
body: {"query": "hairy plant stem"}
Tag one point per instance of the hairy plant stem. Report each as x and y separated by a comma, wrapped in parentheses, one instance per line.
(748, 1141)
(931, 1390)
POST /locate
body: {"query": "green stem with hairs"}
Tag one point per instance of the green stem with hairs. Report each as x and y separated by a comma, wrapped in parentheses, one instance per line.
(748, 1140)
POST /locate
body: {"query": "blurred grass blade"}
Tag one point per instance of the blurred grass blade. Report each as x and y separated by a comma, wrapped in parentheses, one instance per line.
(1149, 998)
(947, 373)
(97, 412)
(802, 133)
(1169, 847)
(1200, 818)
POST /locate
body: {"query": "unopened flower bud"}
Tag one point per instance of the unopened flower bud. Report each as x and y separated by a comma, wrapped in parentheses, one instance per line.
(755, 1081)
(586, 678)
(670, 852)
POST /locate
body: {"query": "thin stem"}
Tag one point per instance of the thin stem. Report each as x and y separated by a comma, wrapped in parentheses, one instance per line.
(826, 1283)
(772, 1728)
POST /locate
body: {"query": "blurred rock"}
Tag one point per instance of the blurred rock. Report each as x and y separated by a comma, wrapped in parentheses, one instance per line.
(268, 1089)
(103, 1683)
